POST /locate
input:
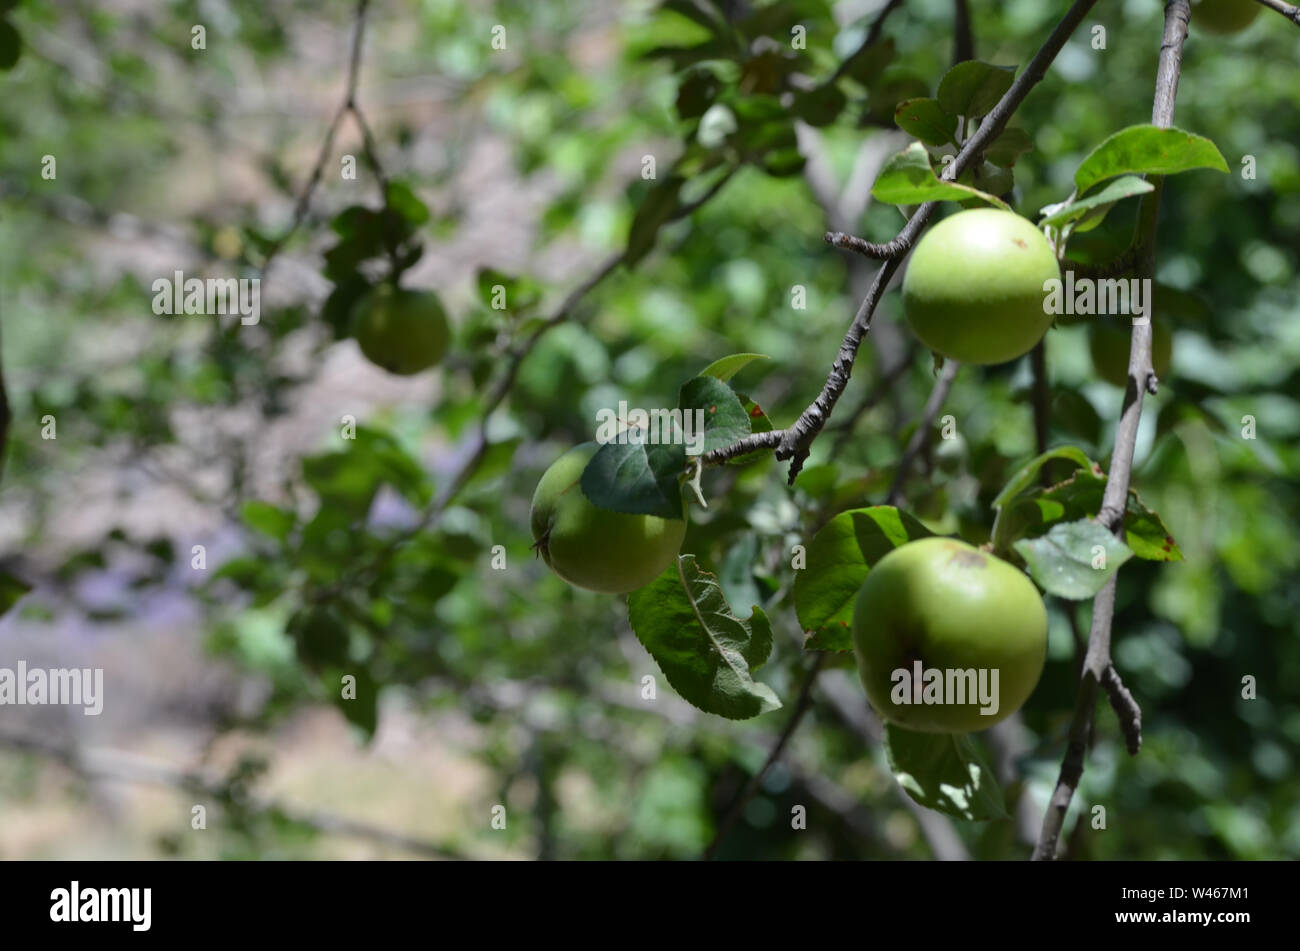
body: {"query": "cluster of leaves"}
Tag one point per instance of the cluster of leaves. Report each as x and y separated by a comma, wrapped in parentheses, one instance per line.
(372, 245)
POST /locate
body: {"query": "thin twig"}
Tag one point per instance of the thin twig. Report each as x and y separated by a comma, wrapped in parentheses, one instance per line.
(1287, 10)
(964, 38)
(868, 249)
(922, 434)
(846, 701)
(873, 34)
(1042, 402)
(1126, 708)
(871, 400)
(801, 708)
(327, 144)
(1115, 499)
(6, 416)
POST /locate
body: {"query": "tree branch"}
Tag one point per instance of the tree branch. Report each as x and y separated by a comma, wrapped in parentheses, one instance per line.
(1126, 708)
(797, 438)
(1292, 13)
(1097, 660)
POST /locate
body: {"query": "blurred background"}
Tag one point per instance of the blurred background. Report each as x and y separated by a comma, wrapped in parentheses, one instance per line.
(519, 163)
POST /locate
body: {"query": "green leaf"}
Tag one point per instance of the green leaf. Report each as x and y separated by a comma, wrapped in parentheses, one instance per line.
(362, 711)
(247, 573)
(1099, 202)
(1063, 561)
(655, 211)
(945, 772)
(636, 479)
(838, 559)
(1146, 534)
(783, 163)
(521, 294)
(337, 311)
(758, 423)
(683, 56)
(320, 636)
(406, 203)
(11, 45)
(696, 93)
(925, 119)
(888, 90)
(725, 418)
(908, 179)
(736, 575)
(867, 63)
(268, 519)
(704, 650)
(1009, 146)
(725, 368)
(348, 479)
(12, 588)
(760, 111)
(1147, 150)
(1027, 473)
(699, 13)
(820, 106)
(1079, 497)
(973, 88)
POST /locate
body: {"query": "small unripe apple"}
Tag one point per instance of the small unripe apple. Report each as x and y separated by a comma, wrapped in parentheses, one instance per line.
(1109, 341)
(974, 287)
(400, 330)
(595, 548)
(950, 607)
(1224, 16)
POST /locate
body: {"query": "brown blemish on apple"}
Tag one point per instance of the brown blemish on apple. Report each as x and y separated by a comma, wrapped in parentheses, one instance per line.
(968, 559)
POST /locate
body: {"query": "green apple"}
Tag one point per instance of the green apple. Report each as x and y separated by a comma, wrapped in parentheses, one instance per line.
(1108, 342)
(1224, 16)
(974, 287)
(950, 607)
(400, 330)
(592, 547)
